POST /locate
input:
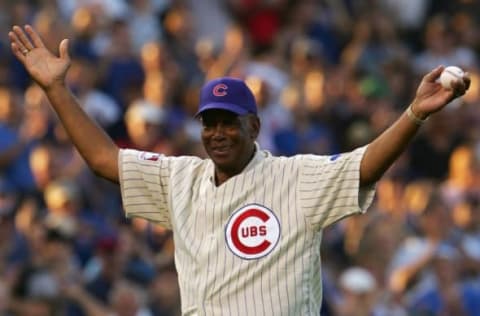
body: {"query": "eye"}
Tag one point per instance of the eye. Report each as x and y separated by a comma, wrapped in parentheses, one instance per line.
(208, 123)
(230, 121)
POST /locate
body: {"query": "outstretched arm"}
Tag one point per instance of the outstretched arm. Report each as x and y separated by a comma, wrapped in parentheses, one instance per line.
(430, 97)
(49, 71)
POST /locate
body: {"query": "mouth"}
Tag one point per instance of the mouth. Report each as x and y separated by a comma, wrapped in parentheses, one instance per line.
(221, 150)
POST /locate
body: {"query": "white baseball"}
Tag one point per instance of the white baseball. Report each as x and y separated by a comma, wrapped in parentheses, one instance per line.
(450, 74)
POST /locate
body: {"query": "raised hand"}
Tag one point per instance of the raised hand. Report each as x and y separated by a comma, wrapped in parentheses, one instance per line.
(43, 66)
(432, 97)
(49, 71)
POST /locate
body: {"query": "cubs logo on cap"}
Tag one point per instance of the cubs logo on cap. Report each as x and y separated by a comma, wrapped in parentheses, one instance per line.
(252, 232)
(227, 93)
(220, 90)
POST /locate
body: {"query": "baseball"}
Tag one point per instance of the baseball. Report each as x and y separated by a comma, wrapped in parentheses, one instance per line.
(449, 74)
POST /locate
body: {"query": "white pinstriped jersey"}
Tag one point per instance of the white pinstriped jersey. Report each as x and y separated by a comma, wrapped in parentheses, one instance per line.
(250, 246)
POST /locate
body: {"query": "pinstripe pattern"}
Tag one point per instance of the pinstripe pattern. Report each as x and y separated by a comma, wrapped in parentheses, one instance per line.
(304, 192)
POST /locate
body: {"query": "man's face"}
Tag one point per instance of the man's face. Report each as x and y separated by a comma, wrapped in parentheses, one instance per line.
(229, 139)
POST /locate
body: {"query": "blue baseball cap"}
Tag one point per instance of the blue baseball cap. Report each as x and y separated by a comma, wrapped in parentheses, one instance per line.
(230, 94)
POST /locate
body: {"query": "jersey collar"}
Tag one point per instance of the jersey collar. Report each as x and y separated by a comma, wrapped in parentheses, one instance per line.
(258, 157)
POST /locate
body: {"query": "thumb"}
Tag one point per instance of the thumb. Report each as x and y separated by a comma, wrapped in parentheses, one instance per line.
(63, 48)
(434, 74)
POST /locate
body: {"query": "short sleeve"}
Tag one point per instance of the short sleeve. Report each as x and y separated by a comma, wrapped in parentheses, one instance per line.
(144, 184)
(329, 187)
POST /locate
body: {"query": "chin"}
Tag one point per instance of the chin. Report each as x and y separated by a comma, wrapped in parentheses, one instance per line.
(223, 159)
(224, 164)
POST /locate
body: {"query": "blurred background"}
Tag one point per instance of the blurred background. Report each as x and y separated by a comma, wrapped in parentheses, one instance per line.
(328, 75)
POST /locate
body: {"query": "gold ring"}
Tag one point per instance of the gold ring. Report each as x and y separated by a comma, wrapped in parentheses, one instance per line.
(25, 51)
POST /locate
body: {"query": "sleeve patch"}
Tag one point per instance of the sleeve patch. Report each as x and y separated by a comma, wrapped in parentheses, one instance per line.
(143, 155)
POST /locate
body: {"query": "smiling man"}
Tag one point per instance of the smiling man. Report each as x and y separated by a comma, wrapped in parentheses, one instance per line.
(230, 125)
(247, 225)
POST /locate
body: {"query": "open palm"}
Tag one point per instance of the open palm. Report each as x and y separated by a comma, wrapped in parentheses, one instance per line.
(43, 66)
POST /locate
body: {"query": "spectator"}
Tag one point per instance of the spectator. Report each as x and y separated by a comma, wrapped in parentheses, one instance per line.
(145, 124)
(446, 294)
(358, 288)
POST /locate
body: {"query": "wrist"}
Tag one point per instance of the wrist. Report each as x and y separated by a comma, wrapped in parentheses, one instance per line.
(417, 113)
(54, 86)
(415, 116)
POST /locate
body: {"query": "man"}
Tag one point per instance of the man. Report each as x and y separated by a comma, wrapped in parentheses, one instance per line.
(247, 226)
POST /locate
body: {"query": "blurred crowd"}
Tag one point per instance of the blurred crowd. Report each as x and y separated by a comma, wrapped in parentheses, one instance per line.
(328, 76)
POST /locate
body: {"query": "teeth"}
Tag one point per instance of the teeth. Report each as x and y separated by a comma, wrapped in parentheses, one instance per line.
(221, 149)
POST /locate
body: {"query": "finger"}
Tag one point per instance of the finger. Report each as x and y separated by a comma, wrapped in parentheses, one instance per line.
(14, 39)
(449, 95)
(34, 36)
(18, 52)
(22, 37)
(458, 87)
(17, 45)
(434, 74)
(467, 80)
(63, 48)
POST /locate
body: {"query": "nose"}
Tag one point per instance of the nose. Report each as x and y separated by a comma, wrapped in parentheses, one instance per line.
(219, 130)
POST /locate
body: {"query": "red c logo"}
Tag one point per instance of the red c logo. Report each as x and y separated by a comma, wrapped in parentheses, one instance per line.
(252, 231)
(236, 232)
(220, 90)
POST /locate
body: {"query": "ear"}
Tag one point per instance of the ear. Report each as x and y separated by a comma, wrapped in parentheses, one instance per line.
(254, 125)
